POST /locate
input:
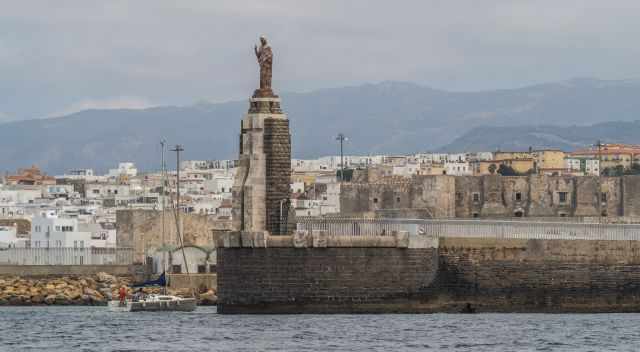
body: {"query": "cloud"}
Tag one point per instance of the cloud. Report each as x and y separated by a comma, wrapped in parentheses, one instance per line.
(176, 52)
(104, 104)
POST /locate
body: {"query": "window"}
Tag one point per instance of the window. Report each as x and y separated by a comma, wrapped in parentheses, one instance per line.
(397, 199)
(81, 244)
(176, 269)
(476, 197)
(562, 197)
(212, 268)
(375, 200)
(459, 196)
(115, 191)
(57, 228)
(75, 244)
(603, 197)
(518, 196)
(202, 269)
(96, 191)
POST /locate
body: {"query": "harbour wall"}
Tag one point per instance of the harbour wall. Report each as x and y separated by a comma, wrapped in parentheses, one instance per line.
(391, 275)
(536, 276)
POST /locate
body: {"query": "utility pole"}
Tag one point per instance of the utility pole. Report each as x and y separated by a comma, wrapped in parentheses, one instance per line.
(342, 139)
(163, 167)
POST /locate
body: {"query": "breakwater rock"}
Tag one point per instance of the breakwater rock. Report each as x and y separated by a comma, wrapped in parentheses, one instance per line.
(83, 290)
(80, 290)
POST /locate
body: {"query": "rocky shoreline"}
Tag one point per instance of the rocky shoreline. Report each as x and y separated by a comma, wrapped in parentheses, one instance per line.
(95, 290)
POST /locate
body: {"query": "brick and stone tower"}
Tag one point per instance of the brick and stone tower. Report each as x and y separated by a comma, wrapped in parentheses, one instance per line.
(262, 183)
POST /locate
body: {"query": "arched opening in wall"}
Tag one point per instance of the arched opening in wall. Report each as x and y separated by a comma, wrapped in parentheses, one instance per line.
(475, 215)
(604, 213)
(518, 214)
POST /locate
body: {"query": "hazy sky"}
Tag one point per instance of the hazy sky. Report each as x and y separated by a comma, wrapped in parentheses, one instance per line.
(62, 56)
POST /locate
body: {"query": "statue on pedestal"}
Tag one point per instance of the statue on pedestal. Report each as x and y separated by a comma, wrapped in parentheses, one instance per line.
(265, 60)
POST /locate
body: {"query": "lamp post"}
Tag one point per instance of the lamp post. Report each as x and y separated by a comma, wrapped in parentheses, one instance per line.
(341, 138)
(599, 192)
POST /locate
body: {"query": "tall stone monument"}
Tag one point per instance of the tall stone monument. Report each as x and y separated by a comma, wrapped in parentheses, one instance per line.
(261, 187)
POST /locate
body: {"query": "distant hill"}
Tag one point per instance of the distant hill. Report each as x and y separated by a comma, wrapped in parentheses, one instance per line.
(389, 117)
(565, 138)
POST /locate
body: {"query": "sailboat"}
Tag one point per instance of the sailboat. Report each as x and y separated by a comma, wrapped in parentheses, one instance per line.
(154, 302)
(159, 302)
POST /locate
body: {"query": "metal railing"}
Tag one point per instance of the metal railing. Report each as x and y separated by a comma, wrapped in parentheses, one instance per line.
(66, 256)
(472, 228)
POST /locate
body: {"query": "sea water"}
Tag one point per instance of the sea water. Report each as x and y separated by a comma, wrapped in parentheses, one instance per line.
(97, 329)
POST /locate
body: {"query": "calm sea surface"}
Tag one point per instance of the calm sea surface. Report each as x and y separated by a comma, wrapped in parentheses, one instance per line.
(96, 329)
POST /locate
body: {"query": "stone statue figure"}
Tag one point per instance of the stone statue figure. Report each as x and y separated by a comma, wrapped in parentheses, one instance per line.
(265, 60)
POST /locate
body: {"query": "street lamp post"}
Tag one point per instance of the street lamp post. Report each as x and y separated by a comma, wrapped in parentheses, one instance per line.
(341, 138)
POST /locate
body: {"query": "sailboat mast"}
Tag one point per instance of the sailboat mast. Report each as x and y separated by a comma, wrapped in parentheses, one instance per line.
(179, 149)
(163, 173)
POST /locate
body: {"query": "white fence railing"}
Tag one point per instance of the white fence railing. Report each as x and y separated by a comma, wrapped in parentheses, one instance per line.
(472, 228)
(66, 256)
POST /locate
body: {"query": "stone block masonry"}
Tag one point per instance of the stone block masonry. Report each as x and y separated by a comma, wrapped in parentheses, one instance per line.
(261, 187)
(321, 280)
(292, 274)
(277, 149)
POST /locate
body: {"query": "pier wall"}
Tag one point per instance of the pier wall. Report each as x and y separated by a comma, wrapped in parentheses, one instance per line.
(314, 280)
(491, 275)
(537, 276)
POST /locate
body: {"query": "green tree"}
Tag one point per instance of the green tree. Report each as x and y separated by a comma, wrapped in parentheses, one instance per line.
(506, 170)
(348, 174)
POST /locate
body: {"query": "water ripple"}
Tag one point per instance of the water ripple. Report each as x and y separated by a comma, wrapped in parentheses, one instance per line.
(96, 329)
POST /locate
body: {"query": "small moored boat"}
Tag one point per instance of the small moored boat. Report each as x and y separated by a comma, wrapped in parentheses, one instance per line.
(155, 303)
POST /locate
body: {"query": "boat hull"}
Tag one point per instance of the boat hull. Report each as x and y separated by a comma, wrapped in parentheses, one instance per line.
(183, 305)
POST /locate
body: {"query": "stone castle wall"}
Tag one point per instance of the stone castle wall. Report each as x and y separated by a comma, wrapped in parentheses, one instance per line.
(538, 276)
(142, 230)
(432, 196)
(321, 280)
(495, 196)
(491, 275)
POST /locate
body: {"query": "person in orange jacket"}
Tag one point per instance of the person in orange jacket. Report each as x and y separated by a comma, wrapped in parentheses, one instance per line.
(122, 294)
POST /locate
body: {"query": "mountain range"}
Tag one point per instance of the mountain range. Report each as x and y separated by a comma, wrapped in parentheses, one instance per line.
(387, 117)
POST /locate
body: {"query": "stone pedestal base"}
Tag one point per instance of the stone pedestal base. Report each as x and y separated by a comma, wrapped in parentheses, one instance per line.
(262, 183)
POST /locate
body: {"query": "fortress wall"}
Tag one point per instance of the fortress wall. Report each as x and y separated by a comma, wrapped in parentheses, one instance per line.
(493, 196)
(538, 275)
(321, 280)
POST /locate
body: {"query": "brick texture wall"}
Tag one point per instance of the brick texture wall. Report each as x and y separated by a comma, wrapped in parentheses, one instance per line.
(320, 279)
(539, 276)
(491, 275)
(277, 149)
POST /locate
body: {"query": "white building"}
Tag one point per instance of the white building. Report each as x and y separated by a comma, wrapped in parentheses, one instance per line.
(50, 231)
(9, 237)
(458, 168)
(583, 166)
(127, 169)
(102, 190)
